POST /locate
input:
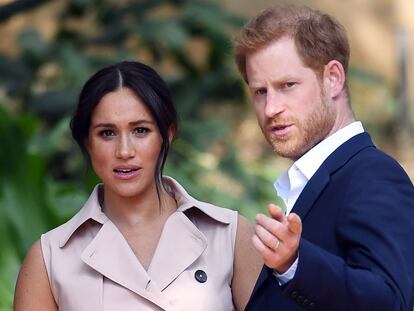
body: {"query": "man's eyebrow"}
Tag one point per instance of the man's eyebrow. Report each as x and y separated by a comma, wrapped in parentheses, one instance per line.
(281, 79)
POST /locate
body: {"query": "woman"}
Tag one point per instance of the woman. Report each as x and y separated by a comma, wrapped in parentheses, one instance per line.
(140, 242)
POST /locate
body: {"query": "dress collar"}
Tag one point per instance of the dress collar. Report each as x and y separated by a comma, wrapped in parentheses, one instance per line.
(93, 210)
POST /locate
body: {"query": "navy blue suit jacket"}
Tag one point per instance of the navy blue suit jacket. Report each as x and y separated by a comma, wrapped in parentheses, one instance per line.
(357, 247)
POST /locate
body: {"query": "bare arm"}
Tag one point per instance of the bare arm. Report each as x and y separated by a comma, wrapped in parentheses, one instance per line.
(247, 264)
(33, 290)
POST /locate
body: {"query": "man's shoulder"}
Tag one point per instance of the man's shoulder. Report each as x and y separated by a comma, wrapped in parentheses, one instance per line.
(360, 151)
(374, 157)
(373, 163)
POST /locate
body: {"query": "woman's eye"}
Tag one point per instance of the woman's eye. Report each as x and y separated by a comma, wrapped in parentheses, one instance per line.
(106, 133)
(141, 130)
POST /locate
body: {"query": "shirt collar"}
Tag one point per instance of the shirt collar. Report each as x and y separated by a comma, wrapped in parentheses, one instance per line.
(92, 208)
(306, 166)
(310, 162)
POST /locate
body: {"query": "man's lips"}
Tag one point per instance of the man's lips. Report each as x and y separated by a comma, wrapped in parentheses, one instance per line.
(280, 130)
(126, 171)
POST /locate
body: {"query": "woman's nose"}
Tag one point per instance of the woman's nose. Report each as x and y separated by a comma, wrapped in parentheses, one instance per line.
(124, 148)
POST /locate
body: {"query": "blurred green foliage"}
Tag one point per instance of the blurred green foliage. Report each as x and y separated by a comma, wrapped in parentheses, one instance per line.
(43, 178)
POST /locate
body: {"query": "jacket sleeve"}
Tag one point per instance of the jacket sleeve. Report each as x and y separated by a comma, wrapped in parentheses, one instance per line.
(374, 230)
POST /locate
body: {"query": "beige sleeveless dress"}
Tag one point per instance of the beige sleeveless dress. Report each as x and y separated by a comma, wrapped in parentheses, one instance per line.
(91, 266)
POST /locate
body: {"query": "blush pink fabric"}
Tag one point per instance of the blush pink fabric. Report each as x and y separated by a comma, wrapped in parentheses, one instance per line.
(91, 266)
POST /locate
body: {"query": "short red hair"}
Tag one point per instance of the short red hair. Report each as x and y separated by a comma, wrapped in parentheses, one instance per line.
(318, 37)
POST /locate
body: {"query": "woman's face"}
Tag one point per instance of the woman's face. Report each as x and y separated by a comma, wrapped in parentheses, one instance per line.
(124, 143)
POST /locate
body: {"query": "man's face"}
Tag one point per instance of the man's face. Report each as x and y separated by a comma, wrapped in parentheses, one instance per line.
(290, 102)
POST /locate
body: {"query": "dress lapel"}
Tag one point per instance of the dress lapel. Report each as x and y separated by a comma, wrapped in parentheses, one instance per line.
(110, 255)
(180, 245)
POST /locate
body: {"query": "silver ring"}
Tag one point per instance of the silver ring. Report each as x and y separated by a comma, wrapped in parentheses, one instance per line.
(276, 245)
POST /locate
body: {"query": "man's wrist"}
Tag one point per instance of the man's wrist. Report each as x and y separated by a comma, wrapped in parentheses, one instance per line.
(288, 275)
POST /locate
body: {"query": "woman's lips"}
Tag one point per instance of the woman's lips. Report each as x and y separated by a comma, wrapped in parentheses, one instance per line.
(126, 172)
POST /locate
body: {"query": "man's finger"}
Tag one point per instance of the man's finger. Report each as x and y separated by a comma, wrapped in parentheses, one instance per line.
(270, 224)
(276, 212)
(294, 223)
(267, 238)
(258, 244)
(266, 253)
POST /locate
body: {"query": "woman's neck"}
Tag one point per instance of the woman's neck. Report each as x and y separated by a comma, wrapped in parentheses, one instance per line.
(146, 208)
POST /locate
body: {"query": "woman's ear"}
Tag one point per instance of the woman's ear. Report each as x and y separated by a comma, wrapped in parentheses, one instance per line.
(334, 78)
(171, 133)
(86, 144)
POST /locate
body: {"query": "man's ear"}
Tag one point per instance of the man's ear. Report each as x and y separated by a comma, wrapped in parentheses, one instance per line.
(334, 78)
(171, 133)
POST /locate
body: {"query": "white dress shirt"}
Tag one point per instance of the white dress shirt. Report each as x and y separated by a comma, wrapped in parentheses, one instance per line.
(291, 183)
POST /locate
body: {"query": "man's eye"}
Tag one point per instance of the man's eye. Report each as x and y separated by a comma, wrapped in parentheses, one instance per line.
(290, 84)
(260, 92)
(106, 133)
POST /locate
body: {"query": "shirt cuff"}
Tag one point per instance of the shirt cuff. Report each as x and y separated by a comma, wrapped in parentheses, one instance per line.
(288, 275)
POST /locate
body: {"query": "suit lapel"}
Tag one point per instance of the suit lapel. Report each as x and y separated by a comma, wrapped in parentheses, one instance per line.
(110, 255)
(311, 192)
(321, 178)
(180, 244)
(315, 187)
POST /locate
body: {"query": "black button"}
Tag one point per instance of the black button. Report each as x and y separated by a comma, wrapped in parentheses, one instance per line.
(294, 294)
(311, 306)
(200, 276)
(300, 299)
(305, 302)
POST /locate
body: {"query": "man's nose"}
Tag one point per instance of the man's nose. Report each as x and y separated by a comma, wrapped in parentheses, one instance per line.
(124, 149)
(274, 104)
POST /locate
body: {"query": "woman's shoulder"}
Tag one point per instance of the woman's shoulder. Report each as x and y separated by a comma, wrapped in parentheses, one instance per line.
(187, 202)
(55, 237)
(90, 210)
(32, 286)
(55, 234)
(219, 213)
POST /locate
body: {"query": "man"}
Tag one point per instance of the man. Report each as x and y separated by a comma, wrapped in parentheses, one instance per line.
(347, 242)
